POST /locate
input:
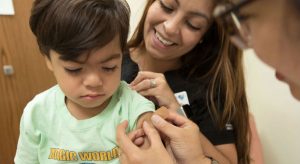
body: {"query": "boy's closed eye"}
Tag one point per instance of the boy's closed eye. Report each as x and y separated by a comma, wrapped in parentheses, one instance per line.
(104, 68)
(110, 68)
(73, 70)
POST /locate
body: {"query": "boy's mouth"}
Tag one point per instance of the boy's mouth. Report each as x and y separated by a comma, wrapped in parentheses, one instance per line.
(92, 96)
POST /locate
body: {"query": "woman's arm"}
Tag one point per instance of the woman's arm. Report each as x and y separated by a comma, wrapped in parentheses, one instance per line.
(165, 97)
(130, 153)
(229, 151)
(256, 151)
(224, 154)
(185, 151)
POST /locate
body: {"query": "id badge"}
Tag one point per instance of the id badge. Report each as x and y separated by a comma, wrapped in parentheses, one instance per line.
(182, 98)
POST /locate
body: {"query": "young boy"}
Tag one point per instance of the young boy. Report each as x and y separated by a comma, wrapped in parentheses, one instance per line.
(75, 121)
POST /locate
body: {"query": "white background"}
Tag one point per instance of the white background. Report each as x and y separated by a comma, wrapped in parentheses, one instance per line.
(276, 112)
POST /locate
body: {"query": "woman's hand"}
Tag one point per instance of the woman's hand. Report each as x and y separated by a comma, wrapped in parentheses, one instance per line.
(154, 85)
(137, 136)
(182, 136)
(155, 153)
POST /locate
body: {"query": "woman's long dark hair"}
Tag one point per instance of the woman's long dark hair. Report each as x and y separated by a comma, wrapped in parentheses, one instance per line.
(219, 63)
(296, 5)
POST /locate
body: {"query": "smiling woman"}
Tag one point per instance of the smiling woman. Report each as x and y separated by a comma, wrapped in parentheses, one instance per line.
(179, 46)
(272, 23)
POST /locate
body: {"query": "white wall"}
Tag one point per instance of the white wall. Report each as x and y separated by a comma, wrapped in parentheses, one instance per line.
(137, 8)
(277, 114)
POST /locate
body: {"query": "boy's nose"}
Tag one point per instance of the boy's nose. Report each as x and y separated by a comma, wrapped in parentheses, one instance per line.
(93, 80)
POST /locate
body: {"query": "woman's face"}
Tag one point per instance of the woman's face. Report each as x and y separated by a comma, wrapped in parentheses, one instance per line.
(174, 27)
(274, 28)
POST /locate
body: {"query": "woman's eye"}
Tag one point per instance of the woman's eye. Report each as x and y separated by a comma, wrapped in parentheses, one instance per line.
(109, 69)
(76, 70)
(165, 7)
(243, 17)
(190, 25)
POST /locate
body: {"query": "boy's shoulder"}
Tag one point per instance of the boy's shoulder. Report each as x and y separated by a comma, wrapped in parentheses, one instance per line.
(42, 107)
(124, 91)
(130, 97)
(47, 94)
(45, 100)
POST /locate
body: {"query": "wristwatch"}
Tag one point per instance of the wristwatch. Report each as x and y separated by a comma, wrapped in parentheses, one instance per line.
(213, 161)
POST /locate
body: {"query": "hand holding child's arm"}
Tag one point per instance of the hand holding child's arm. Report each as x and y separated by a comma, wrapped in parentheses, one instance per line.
(132, 154)
(162, 112)
(154, 85)
(137, 136)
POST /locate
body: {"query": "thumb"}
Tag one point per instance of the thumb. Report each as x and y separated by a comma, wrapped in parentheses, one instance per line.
(124, 142)
(152, 135)
(163, 126)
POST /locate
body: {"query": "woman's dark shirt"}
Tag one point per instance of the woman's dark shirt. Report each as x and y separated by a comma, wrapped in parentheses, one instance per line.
(196, 91)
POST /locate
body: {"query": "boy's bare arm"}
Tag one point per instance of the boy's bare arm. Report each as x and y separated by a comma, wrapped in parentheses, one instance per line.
(162, 112)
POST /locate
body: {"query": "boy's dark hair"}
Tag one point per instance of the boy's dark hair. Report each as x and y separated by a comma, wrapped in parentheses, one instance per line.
(75, 27)
(297, 6)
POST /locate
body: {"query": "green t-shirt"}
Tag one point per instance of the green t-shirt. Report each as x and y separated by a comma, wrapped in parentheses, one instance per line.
(50, 134)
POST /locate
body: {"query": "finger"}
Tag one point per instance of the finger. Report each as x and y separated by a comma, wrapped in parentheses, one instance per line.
(136, 134)
(169, 149)
(137, 137)
(140, 77)
(139, 141)
(149, 74)
(177, 119)
(153, 135)
(165, 127)
(124, 142)
(123, 159)
(148, 92)
(145, 84)
(121, 129)
(121, 137)
(145, 75)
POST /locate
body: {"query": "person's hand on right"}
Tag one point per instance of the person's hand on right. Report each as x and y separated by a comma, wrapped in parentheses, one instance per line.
(183, 138)
(131, 151)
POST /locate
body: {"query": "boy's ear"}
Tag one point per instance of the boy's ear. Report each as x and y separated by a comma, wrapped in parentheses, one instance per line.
(49, 63)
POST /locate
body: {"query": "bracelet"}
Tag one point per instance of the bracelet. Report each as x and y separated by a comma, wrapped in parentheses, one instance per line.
(213, 161)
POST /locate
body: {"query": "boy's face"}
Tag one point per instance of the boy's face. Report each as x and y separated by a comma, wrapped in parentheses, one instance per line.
(89, 83)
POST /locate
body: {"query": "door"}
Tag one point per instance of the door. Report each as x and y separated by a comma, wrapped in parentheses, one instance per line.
(18, 50)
